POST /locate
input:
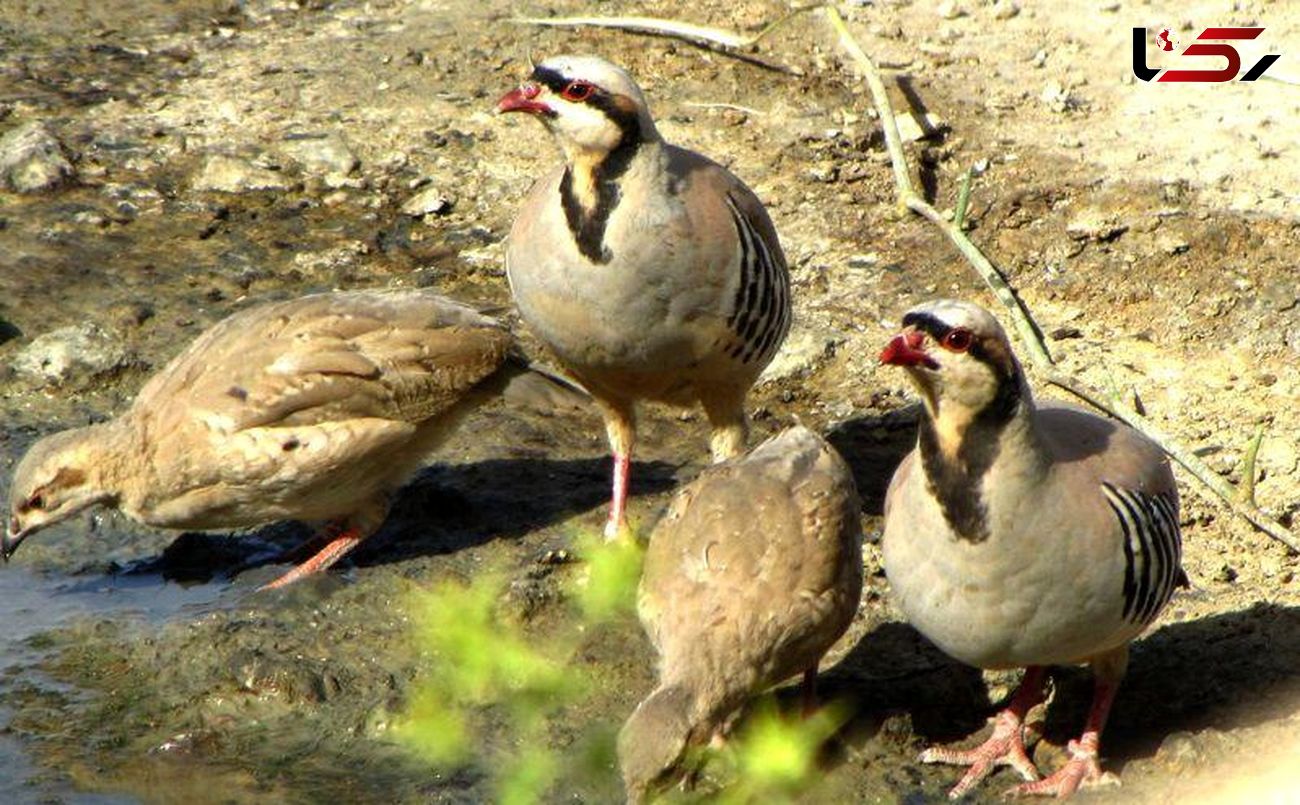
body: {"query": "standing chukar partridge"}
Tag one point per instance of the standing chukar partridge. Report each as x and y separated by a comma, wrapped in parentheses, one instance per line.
(316, 408)
(651, 272)
(1018, 535)
(752, 575)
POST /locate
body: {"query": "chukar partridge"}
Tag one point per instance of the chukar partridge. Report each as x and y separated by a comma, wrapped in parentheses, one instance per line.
(754, 572)
(315, 409)
(1022, 535)
(651, 272)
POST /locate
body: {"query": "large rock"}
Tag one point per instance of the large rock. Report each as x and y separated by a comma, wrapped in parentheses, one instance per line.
(32, 160)
(70, 356)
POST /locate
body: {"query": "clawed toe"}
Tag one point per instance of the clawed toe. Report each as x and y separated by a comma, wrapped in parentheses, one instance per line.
(1004, 748)
(1082, 771)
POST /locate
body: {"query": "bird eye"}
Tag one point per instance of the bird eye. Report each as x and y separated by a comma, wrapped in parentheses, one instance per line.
(577, 91)
(36, 502)
(958, 340)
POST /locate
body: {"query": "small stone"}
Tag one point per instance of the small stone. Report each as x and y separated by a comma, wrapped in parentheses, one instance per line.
(323, 155)
(1172, 244)
(226, 174)
(71, 354)
(32, 159)
(1065, 333)
(802, 351)
(1005, 9)
(1058, 98)
(912, 130)
(949, 10)
(1094, 224)
(429, 201)
(1226, 574)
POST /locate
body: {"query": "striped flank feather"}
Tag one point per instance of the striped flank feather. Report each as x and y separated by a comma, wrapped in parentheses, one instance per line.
(760, 313)
(1152, 550)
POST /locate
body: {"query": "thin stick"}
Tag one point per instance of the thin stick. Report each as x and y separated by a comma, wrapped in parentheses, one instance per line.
(730, 43)
(1248, 467)
(963, 200)
(1040, 358)
(733, 107)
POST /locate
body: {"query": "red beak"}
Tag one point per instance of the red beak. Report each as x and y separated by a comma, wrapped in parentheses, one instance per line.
(524, 99)
(905, 350)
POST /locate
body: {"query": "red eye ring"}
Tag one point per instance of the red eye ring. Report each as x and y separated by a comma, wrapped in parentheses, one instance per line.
(577, 91)
(958, 339)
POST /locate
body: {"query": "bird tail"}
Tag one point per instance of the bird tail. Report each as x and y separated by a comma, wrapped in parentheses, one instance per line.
(653, 741)
(535, 385)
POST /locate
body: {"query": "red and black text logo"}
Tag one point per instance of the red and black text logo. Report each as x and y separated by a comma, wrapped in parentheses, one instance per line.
(1166, 42)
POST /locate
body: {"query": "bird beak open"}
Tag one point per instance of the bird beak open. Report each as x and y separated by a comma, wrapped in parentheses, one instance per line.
(905, 350)
(10, 540)
(524, 99)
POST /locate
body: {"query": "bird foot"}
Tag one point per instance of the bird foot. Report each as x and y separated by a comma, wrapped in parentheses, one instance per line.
(333, 551)
(1005, 747)
(616, 530)
(1082, 771)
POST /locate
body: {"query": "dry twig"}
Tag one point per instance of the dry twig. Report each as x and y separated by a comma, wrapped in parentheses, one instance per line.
(1040, 358)
(720, 40)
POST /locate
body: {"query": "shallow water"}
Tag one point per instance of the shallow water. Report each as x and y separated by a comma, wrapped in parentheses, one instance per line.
(37, 603)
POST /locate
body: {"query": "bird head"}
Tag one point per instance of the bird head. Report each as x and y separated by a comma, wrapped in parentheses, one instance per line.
(957, 355)
(591, 106)
(55, 480)
(653, 743)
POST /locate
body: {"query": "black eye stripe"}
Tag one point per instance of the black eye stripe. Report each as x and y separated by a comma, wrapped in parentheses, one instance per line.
(551, 79)
(928, 324)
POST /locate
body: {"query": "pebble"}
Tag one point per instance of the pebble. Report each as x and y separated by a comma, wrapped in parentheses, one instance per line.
(1093, 224)
(949, 10)
(912, 130)
(227, 174)
(32, 159)
(802, 350)
(324, 155)
(429, 201)
(1005, 9)
(1058, 98)
(70, 354)
(1172, 244)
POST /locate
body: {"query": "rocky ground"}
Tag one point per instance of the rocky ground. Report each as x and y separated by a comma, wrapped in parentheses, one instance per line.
(166, 163)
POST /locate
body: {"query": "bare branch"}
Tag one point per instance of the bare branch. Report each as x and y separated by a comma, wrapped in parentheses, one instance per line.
(1025, 327)
(721, 40)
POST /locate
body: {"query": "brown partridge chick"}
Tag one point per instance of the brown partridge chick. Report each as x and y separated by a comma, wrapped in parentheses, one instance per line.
(651, 272)
(1022, 535)
(316, 408)
(752, 575)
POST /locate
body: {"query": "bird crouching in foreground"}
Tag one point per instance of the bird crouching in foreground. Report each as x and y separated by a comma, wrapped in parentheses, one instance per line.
(650, 272)
(752, 575)
(1020, 535)
(317, 408)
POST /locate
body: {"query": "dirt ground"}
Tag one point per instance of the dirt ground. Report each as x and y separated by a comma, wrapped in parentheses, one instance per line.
(1152, 229)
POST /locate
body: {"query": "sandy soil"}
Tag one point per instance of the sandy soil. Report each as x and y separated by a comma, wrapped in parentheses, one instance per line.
(1150, 228)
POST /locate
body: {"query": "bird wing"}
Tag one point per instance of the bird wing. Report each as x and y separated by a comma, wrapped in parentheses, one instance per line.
(400, 356)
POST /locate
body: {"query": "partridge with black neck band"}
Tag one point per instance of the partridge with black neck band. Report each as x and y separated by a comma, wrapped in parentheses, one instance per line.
(651, 272)
(1020, 535)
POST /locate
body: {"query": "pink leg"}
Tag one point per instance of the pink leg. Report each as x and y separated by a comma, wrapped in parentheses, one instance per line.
(617, 522)
(1083, 767)
(334, 550)
(1005, 747)
(621, 430)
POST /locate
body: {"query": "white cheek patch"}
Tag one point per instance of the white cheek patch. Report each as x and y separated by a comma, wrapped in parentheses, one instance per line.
(585, 126)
